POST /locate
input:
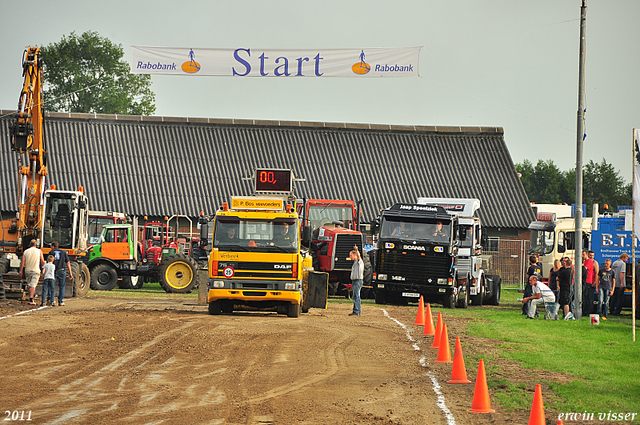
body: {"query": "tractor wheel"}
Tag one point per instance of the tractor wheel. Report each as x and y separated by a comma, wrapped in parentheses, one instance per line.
(104, 277)
(178, 274)
(132, 282)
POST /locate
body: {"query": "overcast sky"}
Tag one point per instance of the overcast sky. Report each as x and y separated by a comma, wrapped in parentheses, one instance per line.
(499, 63)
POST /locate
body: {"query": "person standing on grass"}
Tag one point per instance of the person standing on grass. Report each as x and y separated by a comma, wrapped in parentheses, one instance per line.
(565, 278)
(588, 290)
(61, 261)
(619, 268)
(32, 260)
(553, 277)
(605, 288)
(357, 277)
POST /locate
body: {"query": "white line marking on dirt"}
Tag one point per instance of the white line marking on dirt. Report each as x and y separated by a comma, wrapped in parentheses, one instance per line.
(23, 312)
(441, 402)
(436, 386)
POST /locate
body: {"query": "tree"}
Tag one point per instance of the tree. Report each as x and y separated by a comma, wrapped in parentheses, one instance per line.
(602, 184)
(87, 74)
(544, 183)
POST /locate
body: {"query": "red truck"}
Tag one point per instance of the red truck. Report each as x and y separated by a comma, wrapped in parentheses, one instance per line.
(335, 229)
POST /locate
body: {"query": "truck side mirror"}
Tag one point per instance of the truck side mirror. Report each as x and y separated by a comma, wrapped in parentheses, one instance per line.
(306, 235)
(204, 233)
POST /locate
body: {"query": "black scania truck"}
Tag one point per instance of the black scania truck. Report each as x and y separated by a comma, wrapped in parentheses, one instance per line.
(415, 255)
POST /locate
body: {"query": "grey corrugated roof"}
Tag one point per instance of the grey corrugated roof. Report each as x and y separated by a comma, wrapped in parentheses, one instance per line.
(157, 166)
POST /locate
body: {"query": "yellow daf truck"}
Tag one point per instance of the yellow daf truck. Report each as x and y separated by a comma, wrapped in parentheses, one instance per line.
(258, 260)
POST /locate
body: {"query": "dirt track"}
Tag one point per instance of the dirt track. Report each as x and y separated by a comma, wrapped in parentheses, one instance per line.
(166, 362)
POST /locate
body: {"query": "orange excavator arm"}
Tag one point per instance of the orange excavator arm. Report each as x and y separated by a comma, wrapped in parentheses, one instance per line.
(28, 142)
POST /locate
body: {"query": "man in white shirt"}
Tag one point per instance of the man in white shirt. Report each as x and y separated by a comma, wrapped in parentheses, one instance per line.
(32, 260)
(541, 294)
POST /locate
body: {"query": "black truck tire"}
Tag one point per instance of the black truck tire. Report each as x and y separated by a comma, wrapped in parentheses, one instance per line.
(449, 301)
(81, 278)
(132, 282)
(463, 299)
(294, 310)
(178, 274)
(494, 299)
(104, 277)
(215, 307)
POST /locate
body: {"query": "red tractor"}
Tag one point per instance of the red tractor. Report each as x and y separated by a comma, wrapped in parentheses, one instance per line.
(335, 230)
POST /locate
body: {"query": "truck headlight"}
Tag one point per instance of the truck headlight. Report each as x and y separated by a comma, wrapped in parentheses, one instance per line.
(442, 281)
(382, 277)
(290, 286)
(218, 284)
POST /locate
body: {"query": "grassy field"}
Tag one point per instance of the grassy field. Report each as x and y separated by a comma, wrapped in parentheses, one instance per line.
(600, 364)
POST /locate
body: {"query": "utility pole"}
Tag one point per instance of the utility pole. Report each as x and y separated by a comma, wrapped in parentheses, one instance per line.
(580, 141)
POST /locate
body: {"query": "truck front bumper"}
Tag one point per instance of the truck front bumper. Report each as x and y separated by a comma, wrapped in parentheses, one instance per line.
(404, 288)
(249, 290)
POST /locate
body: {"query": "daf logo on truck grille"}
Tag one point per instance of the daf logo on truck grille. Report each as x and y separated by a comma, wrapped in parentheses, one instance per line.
(414, 247)
(283, 266)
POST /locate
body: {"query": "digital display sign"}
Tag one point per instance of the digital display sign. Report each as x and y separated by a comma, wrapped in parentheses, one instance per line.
(270, 180)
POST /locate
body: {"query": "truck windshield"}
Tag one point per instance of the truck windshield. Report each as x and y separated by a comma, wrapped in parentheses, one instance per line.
(327, 214)
(542, 241)
(59, 221)
(437, 231)
(237, 234)
(96, 224)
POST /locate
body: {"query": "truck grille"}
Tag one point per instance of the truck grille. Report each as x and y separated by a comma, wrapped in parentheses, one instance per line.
(343, 244)
(414, 266)
(257, 269)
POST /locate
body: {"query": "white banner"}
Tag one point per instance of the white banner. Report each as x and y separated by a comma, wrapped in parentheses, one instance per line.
(636, 186)
(247, 62)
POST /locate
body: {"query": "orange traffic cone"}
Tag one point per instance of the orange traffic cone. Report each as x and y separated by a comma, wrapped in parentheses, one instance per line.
(428, 322)
(459, 372)
(438, 335)
(444, 352)
(481, 402)
(420, 315)
(537, 409)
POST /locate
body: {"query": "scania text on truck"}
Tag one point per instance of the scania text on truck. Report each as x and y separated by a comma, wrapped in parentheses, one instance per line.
(256, 261)
(415, 255)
